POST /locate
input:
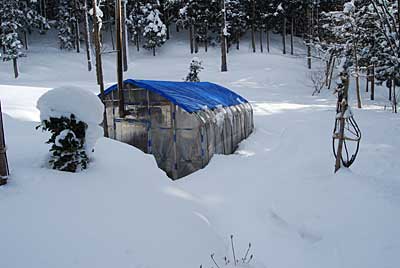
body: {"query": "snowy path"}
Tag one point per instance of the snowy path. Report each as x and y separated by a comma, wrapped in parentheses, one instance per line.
(278, 191)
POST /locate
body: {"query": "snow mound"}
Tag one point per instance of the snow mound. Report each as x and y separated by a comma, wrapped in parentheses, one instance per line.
(64, 101)
(68, 100)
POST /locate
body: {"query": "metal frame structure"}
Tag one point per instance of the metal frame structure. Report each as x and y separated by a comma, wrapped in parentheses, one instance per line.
(181, 142)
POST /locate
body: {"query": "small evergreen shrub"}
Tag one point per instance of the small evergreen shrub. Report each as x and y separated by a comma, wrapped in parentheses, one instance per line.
(73, 117)
(194, 70)
(67, 143)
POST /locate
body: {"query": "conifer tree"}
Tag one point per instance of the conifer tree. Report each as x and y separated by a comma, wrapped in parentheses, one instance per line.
(10, 41)
(154, 30)
(67, 143)
(65, 24)
(194, 70)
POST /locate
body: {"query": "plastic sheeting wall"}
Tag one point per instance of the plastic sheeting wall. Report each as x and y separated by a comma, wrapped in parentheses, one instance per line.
(181, 142)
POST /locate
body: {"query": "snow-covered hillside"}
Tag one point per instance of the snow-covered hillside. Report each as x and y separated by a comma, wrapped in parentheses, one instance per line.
(278, 191)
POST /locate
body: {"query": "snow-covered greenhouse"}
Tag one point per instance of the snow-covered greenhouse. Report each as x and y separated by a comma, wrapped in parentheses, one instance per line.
(183, 124)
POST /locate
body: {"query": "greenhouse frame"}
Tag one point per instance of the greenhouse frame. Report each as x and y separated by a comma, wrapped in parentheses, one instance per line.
(183, 124)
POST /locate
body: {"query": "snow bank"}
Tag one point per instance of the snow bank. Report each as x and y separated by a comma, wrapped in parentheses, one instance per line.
(68, 100)
(122, 212)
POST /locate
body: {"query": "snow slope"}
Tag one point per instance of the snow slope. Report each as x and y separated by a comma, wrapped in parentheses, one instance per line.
(278, 191)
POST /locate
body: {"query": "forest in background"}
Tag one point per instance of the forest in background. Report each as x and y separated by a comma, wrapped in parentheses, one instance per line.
(357, 37)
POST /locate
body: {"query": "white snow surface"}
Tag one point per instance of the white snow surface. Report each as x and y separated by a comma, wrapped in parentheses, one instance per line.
(278, 191)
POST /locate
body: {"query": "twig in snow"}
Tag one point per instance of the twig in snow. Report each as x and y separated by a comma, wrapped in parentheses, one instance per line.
(233, 250)
(212, 257)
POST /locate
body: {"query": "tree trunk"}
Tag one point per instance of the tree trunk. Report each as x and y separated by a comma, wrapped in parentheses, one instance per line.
(206, 40)
(137, 41)
(237, 41)
(253, 31)
(15, 65)
(358, 87)
(261, 41)
(331, 74)
(398, 14)
(167, 23)
(4, 171)
(367, 80)
(110, 24)
(373, 82)
(291, 36)
(87, 36)
(224, 67)
(195, 40)
(394, 97)
(124, 36)
(154, 51)
(77, 32)
(328, 69)
(99, 66)
(25, 40)
(268, 41)
(119, 46)
(191, 38)
(284, 36)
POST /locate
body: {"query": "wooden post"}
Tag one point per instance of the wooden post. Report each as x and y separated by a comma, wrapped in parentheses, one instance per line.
(4, 171)
(175, 165)
(224, 67)
(99, 65)
(120, 75)
(342, 107)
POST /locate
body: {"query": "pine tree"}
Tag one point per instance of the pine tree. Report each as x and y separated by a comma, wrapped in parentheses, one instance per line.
(194, 70)
(134, 21)
(31, 19)
(65, 24)
(10, 41)
(154, 30)
(236, 20)
(67, 143)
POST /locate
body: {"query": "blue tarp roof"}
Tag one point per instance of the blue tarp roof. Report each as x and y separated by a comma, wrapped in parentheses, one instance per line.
(190, 96)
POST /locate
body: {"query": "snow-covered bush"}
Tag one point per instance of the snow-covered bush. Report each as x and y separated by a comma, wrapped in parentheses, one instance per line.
(72, 116)
(194, 70)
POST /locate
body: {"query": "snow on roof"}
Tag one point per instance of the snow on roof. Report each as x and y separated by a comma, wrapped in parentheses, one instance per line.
(190, 96)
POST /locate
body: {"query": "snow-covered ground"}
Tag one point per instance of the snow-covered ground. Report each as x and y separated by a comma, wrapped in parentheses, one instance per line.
(277, 192)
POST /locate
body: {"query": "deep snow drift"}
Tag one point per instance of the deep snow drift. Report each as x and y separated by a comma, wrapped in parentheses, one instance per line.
(278, 191)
